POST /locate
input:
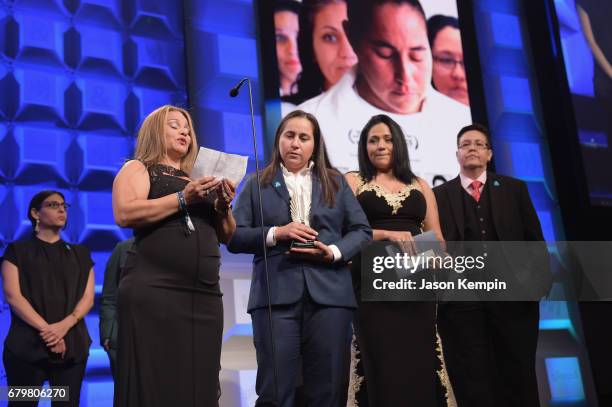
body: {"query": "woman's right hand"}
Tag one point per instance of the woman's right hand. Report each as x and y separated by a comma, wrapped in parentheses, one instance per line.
(295, 231)
(197, 190)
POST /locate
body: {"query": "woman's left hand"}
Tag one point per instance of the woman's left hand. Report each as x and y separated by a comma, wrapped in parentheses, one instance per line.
(321, 252)
(225, 195)
(54, 333)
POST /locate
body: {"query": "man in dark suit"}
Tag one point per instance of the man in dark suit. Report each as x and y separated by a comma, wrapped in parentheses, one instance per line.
(489, 347)
(108, 302)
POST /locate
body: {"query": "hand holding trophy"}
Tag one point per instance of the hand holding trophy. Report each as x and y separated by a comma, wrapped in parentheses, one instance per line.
(299, 208)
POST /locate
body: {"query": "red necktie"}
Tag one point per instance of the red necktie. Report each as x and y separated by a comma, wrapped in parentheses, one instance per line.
(476, 190)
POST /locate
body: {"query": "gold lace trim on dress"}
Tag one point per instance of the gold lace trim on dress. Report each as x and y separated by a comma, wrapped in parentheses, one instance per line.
(394, 200)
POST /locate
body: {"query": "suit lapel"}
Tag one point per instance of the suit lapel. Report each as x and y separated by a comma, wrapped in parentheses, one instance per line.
(455, 195)
(496, 199)
(279, 186)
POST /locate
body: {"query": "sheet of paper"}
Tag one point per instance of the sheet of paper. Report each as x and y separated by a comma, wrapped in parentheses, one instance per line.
(219, 164)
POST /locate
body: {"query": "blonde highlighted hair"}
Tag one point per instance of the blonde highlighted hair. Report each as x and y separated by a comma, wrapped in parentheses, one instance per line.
(151, 142)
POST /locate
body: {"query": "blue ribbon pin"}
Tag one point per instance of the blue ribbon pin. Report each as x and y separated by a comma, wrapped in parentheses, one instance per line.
(496, 183)
(277, 184)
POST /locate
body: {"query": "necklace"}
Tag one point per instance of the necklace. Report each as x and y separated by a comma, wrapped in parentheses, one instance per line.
(169, 170)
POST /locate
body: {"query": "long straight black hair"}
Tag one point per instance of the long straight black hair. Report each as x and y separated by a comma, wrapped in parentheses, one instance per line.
(400, 160)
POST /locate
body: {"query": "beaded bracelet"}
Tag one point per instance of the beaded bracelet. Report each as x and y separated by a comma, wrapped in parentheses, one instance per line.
(183, 208)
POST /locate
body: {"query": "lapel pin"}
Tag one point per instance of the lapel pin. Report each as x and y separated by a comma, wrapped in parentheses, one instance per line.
(496, 183)
(277, 184)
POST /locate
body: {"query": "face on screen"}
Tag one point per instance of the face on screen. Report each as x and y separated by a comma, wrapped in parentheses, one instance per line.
(448, 68)
(333, 53)
(395, 59)
(286, 29)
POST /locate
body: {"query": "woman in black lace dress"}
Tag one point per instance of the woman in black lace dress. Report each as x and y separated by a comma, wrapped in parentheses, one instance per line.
(170, 310)
(397, 340)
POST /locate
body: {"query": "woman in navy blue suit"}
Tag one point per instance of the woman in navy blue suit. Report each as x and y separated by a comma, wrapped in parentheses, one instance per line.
(310, 288)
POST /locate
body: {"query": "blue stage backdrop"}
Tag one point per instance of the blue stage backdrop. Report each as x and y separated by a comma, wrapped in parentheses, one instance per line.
(76, 79)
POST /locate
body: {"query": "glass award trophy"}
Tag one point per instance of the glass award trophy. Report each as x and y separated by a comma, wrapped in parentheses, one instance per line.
(300, 212)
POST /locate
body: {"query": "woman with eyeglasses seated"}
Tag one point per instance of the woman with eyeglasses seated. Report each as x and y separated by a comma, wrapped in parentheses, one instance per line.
(49, 286)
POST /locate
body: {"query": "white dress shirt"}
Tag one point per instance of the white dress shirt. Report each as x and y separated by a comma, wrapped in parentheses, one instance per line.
(299, 186)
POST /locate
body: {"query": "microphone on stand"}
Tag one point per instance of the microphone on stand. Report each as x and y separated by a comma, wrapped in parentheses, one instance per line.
(235, 90)
(233, 93)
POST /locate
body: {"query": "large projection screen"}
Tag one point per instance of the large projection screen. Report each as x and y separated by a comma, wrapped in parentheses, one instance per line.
(388, 59)
(586, 44)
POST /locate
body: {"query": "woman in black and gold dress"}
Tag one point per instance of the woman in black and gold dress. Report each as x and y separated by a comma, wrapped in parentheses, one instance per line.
(170, 309)
(396, 340)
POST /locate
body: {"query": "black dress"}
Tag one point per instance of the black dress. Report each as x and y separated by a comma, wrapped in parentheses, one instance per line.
(396, 340)
(52, 278)
(170, 310)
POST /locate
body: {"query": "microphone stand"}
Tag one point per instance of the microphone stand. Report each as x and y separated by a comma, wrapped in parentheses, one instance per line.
(233, 93)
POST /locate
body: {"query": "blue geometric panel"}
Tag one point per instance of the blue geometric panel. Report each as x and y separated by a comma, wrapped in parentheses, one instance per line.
(237, 128)
(578, 61)
(9, 89)
(45, 7)
(237, 56)
(150, 99)
(155, 63)
(41, 95)
(99, 231)
(98, 393)
(565, 380)
(212, 16)
(516, 93)
(548, 225)
(40, 39)
(103, 12)
(41, 154)
(506, 30)
(103, 104)
(2, 151)
(97, 50)
(527, 161)
(102, 155)
(518, 126)
(155, 18)
(9, 35)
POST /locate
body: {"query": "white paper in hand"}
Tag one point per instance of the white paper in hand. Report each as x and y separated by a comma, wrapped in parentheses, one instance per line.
(213, 163)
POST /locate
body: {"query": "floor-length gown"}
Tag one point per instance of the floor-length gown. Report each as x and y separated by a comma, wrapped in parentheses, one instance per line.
(396, 342)
(170, 309)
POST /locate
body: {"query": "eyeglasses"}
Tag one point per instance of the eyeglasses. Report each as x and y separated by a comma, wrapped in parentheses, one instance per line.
(56, 205)
(448, 63)
(477, 145)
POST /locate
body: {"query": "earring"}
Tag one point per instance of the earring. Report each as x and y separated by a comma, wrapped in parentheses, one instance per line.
(36, 228)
